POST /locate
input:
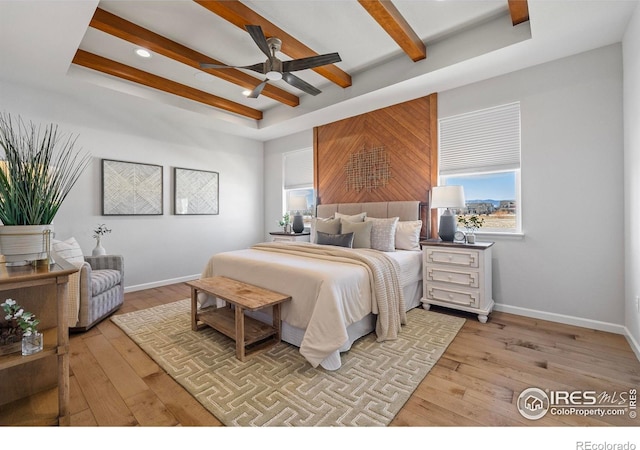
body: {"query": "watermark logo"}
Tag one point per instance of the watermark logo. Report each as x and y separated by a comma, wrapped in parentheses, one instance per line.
(535, 403)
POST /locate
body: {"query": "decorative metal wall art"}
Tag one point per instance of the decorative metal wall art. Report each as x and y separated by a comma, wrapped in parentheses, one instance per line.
(368, 169)
(195, 191)
(131, 188)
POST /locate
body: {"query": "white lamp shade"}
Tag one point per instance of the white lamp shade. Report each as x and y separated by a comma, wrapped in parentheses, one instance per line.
(447, 197)
(297, 203)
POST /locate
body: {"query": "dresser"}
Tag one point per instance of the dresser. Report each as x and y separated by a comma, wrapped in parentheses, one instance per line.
(457, 275)
(297, 237)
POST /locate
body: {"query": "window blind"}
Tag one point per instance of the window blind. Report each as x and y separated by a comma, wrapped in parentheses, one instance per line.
(481, 141)
(298, 169)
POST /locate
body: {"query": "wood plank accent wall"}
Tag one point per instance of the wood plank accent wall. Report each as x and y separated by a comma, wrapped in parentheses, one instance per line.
(409, 133)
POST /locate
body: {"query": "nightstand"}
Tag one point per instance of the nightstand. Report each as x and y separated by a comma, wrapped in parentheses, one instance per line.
(457, 275)
(282, 236)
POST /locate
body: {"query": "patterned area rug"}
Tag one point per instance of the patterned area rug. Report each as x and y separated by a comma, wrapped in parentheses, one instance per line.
(279, 387)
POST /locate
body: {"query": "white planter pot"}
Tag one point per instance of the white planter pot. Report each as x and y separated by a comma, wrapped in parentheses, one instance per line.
(25, 243)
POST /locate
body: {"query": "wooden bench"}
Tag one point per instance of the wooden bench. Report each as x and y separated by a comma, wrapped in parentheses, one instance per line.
(250, 335)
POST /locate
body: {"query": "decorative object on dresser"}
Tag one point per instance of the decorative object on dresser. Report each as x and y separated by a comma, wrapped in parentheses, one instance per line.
(38, 170)
(285, 223)
(293, 237)
(100, 231)
(298, 204)
(458, 276)
(41, 378)
(471, 223)
(447, 197)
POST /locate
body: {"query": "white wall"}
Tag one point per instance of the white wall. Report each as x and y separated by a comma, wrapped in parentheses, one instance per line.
(273, 175)
(569, 266)
(631, 55)
(157, 249)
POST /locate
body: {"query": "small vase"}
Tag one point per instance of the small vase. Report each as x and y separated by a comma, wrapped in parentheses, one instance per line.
(32, 344)
(471, 238)
(99, 250)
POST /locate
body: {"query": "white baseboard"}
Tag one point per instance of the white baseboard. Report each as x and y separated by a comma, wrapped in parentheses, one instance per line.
(155, 284)
(635, 346)
(561, 318)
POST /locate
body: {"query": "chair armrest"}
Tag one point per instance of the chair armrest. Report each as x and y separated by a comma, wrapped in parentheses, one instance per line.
(114, 262)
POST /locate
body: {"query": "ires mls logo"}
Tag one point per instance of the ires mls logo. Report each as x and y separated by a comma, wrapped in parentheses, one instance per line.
(534, 403)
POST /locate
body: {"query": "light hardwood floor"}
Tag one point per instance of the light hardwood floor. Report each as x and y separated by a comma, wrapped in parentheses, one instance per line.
(475, 383)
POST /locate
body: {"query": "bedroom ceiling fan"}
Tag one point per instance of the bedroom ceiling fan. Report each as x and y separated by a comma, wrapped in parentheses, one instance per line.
(275, 69)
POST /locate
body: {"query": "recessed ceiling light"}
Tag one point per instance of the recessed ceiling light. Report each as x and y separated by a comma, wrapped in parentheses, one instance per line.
(246, 92)
(143, 53)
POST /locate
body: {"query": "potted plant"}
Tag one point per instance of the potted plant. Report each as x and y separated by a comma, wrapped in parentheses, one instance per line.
(38, 169)
(471, 223)
(284, 222)
(20, 330)
(100, 231)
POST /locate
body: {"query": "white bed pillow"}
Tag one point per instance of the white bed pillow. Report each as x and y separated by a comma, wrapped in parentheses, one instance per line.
(361, 232)
(383, 233)
(330, 226)
(354, 218)
(408, 235)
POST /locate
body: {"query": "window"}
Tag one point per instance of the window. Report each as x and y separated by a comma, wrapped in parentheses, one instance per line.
(298, 179)
(481, 152)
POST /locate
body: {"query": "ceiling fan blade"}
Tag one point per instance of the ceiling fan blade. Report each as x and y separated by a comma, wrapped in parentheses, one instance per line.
(258, 37)
(216, 66)
(258, 89)
(259, 67)
(300, 84)
(310, 62)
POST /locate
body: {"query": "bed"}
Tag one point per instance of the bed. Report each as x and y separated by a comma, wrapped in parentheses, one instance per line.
(338, 294)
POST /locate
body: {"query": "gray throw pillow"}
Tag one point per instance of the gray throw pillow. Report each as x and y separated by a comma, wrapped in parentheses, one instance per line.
(331, 226)
(341, 240)
(361, 232)
(383, 234)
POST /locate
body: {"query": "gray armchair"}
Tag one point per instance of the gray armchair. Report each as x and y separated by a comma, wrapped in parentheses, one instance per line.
(101, 290)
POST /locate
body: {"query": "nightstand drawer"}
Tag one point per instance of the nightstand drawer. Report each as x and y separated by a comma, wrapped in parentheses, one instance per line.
(453, 296)
(456, 258)
(468, 279)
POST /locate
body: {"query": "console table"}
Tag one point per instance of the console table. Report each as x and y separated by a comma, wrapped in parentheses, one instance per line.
(35, 388)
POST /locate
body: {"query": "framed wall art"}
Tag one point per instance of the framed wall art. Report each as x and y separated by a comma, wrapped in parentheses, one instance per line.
(195, 191)
(131, 189)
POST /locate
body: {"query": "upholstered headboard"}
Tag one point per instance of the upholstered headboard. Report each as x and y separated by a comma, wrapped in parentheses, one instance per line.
(405, 210)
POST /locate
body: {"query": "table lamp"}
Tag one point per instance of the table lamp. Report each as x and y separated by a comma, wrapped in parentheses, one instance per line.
(298, 204)
(447, 197)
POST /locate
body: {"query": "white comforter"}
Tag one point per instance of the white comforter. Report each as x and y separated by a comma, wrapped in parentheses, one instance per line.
(328, 292)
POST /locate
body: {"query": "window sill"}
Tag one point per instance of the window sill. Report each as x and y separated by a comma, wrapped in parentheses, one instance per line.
(500, 234)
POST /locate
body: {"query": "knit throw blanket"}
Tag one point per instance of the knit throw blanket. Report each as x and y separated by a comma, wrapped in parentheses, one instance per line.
(388, 299)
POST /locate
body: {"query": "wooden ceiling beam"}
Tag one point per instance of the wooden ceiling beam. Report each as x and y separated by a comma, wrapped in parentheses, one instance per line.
(119, 70)
(519, 10)
(128, 31)
(389, 18)
(240, 15)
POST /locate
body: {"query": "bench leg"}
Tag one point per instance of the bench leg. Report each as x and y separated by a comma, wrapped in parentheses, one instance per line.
(239, 333)
(277, 324)
(194, 309)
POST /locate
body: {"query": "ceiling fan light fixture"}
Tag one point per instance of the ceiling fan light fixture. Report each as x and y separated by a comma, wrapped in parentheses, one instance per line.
(273, 75)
